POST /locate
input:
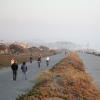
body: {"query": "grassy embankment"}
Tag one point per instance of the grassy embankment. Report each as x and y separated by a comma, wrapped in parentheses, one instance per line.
(66, 81)
(5, 59)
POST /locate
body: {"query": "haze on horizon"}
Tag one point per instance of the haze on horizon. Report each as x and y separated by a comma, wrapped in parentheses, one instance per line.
(76, 21)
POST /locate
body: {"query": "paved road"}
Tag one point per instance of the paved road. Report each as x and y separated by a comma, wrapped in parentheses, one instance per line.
(10, 89)
(92, 64)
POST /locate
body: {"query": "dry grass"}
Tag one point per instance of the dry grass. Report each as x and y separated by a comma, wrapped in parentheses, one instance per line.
(66, 81)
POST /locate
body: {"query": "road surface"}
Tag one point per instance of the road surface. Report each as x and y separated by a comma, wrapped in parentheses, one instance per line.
(10, 89)
(92, 64)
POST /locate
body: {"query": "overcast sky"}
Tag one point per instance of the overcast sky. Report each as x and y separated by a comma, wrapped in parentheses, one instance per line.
(51, 20)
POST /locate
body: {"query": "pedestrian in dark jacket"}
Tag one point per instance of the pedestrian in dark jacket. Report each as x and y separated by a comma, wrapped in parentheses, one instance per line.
(24, 69)
(31, 59)
(39, 61)
(14, 68)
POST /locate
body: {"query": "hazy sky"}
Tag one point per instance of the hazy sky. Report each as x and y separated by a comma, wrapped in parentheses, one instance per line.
(51, 20)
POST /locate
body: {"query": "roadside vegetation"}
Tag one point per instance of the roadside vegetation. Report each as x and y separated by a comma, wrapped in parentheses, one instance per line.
(65, 81)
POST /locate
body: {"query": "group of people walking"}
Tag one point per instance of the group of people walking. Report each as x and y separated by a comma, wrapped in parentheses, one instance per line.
(14, 66)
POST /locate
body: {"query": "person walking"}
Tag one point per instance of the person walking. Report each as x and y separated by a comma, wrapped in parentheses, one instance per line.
(47, 61)
(65, 53)
(39, 61)
(31, 59)
(24, 69)
(14, 68)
